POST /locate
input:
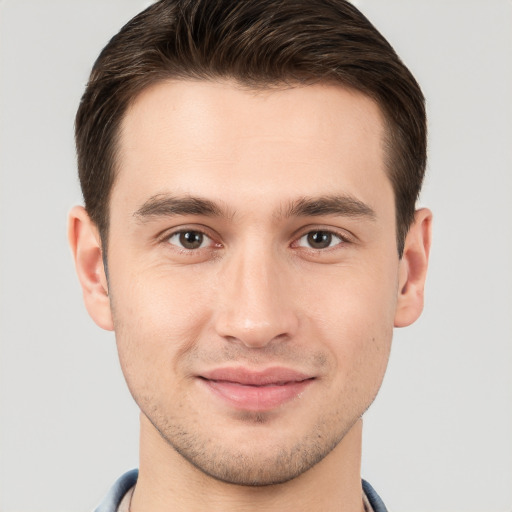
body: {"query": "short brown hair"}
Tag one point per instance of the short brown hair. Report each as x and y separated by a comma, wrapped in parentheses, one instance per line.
(257, 43)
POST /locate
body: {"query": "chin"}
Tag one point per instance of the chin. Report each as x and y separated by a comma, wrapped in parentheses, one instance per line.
(262, 462)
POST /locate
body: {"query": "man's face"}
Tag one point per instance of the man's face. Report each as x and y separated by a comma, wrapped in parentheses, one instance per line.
(253, 271)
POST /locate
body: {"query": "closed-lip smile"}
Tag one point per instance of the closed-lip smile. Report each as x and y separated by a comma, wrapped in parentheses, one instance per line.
(256, 390)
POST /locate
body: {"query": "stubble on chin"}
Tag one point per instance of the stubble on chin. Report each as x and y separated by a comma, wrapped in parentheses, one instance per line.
(252, 464)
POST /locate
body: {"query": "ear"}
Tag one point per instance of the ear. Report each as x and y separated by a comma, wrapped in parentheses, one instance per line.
(413, 269)
(85, 244)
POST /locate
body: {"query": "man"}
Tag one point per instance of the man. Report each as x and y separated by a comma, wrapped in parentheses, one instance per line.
(250, 172)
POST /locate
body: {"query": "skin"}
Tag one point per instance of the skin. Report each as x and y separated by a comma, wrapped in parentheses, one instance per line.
(257, 293)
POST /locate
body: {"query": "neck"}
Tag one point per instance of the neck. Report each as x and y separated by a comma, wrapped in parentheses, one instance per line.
(167, 481)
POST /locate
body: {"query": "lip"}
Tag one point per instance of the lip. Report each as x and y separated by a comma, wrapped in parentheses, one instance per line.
(251, 390)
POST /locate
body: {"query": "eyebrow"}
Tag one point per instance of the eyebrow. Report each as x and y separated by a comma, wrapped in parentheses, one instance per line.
(339, 205)
(164, 205)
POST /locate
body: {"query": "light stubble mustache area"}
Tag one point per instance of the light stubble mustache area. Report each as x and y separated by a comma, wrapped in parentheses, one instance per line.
(276, 353)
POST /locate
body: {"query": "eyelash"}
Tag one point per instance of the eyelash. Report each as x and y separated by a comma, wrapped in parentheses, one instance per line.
(185, 250)
(343, 239)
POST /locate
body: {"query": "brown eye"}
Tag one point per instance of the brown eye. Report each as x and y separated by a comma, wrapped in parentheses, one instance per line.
(319, 240)
(189, 240)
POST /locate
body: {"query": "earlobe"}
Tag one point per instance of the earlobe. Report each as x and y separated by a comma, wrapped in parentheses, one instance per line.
(85, 244)
(413, 269)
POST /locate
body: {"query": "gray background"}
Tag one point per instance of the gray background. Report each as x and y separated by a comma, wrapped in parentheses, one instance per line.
(439, 437)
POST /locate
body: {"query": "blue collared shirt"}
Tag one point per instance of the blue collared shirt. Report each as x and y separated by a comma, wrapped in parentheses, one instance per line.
(129, 479)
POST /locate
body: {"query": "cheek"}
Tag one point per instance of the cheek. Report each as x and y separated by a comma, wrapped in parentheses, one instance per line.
(360, 344)
(162, 300)
(157, 319)
(354, 316)
(360, 350)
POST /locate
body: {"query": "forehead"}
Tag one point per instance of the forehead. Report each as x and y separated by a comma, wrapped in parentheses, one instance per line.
(204, 138)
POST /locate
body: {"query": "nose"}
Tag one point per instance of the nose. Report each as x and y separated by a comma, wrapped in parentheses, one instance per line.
(255, 301)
